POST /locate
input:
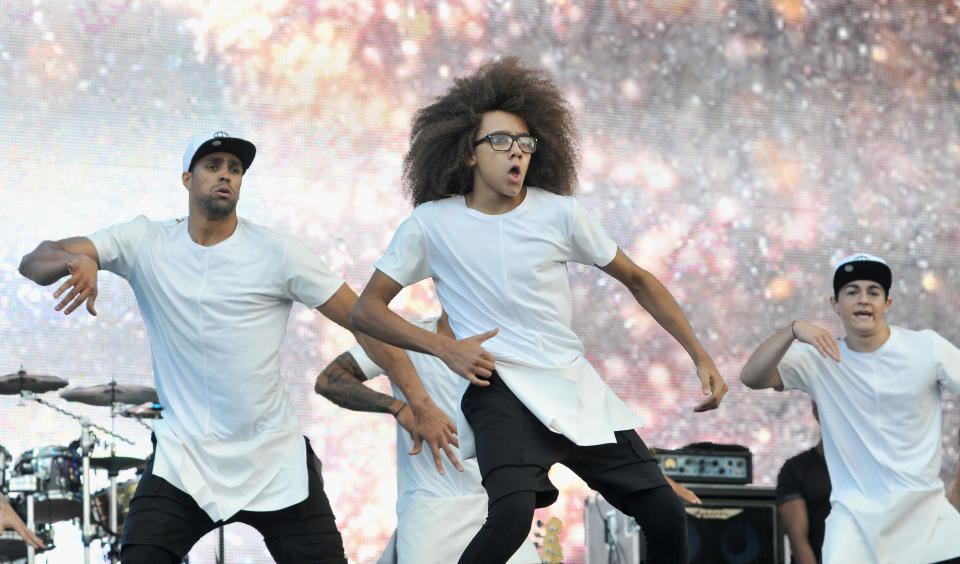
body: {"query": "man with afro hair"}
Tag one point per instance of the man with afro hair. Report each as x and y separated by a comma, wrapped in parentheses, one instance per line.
(490, 170)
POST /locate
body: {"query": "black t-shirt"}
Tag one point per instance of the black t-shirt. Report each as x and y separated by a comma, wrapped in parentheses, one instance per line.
(805, 476)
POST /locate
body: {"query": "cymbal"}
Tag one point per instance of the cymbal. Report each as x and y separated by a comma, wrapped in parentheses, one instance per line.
(147, 410)
(109, 394)
(114, 464)
(21, 381)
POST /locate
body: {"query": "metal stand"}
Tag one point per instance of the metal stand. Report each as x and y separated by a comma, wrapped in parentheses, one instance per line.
(114, 502)
(85, 518)
(32, 525)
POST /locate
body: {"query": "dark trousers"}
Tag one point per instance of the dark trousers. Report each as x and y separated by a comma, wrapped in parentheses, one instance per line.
(164, 523)
(515, 452)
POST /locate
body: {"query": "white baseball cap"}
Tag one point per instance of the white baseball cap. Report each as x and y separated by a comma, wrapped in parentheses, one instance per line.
(216, 142)
(862, 266)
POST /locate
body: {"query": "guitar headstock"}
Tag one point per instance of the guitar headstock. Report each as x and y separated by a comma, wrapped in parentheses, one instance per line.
(550, 550)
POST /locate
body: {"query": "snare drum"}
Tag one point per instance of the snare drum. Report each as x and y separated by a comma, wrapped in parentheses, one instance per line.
(100, 502)
(12, 546)
(59, 496)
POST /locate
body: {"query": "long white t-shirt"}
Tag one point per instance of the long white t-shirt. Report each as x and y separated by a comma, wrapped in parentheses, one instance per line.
(881, 417)
(509, 271)
(216, 317)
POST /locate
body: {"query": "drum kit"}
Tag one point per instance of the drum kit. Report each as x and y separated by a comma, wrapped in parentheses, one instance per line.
(49, 484)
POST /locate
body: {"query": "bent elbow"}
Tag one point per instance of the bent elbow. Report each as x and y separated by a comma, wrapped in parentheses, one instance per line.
(359, 315)
(320, 386)
(749, 381)
(755, 381)
(24, 267)
(28, 270)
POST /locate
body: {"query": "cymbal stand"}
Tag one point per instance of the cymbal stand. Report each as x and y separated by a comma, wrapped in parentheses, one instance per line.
(32, 525)
(113, 472)
(86, 526)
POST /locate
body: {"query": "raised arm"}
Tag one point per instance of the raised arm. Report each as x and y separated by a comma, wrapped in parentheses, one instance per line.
(52, 260)
(654, 297)
(431, 423)
(761, 371)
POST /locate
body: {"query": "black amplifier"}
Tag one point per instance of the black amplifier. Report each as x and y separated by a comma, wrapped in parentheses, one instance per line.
(707, 463)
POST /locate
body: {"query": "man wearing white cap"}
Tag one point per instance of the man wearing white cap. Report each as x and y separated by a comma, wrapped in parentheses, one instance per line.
(215, 292)
(878, 392)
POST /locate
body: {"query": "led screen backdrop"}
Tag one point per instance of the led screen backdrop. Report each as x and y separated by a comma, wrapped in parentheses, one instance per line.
(733, 148)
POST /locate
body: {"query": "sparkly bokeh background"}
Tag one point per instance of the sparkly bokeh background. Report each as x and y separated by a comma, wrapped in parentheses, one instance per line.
(733, 148)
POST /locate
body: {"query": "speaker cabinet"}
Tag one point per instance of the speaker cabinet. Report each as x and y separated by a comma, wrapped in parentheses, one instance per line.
(735, 525)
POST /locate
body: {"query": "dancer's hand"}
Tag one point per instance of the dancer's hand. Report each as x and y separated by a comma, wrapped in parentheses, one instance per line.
(82, 285)
(683, 493)
(432, 425)
(468, 358)
(820, 338)
(713, 385)
(10, 519)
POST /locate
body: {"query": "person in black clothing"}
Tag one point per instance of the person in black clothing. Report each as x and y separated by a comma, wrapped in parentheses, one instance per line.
(803, 497)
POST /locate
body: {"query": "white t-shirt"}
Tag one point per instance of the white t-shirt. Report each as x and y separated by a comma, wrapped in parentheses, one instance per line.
(417, 476)
(509, 271)
(216, 317)
(451, 506)
(881, 418)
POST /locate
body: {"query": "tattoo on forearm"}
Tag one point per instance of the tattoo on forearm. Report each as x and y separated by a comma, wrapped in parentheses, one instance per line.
(344, 387)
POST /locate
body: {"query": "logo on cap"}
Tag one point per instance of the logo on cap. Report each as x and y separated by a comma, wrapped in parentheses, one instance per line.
(217, 136)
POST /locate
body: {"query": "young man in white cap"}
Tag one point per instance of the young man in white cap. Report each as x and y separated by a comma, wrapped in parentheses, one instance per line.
(877, 390)
(215, 292)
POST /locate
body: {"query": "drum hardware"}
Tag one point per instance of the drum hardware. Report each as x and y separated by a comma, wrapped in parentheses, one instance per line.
(32, 525)
(111, 394)
(146, 410)
(81, 420)
(86, 530)
(53, 473)
(4, 460)
(21, 381)
(114, 464)
(27, 485)
(56, 466)
(94, 396)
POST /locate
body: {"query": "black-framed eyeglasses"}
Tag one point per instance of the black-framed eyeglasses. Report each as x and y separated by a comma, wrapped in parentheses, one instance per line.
(503, 142)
